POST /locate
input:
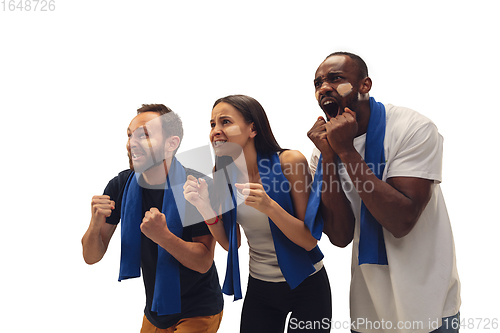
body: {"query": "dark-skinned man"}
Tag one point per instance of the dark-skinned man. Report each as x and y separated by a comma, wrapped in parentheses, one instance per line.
(381, 168)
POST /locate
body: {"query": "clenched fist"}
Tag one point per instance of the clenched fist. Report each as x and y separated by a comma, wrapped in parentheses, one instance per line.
(256, 196)
(341, 131)
(317, 134)
(196, 193)
(102, 206)
(154, 225)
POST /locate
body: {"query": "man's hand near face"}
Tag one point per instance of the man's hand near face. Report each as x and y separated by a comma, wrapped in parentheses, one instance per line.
(341, 131)
(317, 134)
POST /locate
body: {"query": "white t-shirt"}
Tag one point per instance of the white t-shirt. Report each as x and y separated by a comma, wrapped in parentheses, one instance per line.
(420, 285)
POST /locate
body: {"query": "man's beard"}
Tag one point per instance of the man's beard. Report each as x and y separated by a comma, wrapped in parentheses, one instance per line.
(156, 162)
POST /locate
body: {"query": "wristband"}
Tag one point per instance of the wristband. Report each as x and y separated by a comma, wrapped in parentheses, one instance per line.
(216, 220)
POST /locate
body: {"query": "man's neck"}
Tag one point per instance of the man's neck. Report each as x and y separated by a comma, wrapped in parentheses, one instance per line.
(363, 116)
(157, 174)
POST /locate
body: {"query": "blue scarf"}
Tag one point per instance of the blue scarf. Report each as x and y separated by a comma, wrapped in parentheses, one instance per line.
(295, 263)
(371, 239)
(167, 294)
(313, 219)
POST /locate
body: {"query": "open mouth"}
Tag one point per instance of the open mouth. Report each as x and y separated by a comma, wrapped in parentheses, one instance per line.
(330, 107)
(218, 143)
(136, 155)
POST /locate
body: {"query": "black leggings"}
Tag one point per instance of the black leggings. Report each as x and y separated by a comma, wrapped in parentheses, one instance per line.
(267, 305)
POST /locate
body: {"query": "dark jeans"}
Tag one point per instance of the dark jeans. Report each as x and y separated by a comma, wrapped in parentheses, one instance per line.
(267, 305)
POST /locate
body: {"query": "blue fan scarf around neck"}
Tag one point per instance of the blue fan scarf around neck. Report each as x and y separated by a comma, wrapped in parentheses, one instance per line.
(371, 240)
(295, 263)
(167, 296)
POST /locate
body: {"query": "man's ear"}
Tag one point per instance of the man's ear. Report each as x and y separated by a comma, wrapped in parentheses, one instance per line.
(171, 144)
(365, 85)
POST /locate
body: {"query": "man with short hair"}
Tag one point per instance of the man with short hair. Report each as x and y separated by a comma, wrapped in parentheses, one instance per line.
(162, 234)
(381, 167)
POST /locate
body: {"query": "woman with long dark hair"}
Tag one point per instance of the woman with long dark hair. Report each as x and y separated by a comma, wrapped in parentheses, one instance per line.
(286, 267)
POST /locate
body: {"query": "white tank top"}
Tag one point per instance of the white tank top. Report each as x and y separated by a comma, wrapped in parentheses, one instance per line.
(263, 261)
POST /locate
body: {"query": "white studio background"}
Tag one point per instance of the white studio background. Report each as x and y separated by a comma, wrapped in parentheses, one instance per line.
(71, 80)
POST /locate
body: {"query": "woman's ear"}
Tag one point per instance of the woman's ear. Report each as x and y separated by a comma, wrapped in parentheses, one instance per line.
(253, 132)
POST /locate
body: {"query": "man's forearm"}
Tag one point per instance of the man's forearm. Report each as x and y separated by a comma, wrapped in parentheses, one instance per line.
(193, 255)
(93, 245)
(335, 207)
(394, 210)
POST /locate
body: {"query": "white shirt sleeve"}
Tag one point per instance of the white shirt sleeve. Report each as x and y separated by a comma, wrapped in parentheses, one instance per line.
(313, 163)
(416, 148)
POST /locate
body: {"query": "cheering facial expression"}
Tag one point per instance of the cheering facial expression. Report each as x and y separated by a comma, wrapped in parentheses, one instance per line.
(146, 144)
(230, 134)
(335, 84)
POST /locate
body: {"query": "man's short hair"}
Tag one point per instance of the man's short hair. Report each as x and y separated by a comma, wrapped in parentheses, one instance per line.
(170, 121)
(360, 63)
